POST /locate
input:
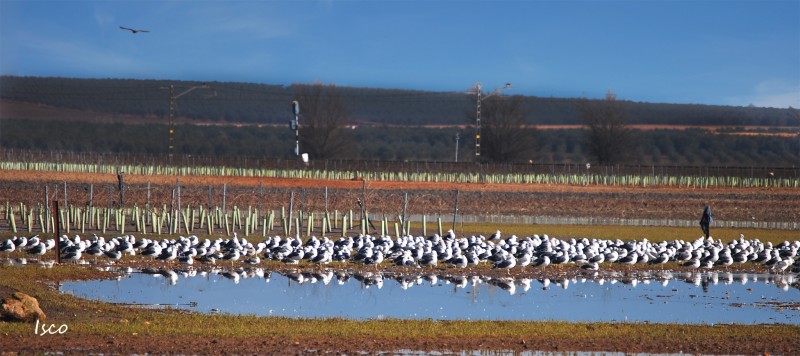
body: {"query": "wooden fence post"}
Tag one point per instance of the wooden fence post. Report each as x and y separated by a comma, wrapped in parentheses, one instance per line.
(57, 231)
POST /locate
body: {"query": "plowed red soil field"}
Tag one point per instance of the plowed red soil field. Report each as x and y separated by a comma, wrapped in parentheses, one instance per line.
(511, 199)
(733, 204)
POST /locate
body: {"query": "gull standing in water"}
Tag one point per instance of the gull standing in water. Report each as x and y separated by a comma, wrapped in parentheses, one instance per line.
(782, 265)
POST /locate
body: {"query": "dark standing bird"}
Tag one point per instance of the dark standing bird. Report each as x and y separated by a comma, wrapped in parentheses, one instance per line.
(706, 220)
(133, 31)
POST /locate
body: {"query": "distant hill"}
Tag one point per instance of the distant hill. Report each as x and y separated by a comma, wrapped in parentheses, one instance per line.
(127, 116)
(270, 104)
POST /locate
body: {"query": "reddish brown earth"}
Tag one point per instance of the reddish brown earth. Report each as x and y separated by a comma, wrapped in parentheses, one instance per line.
(732, 204)
(552, 200)
(300, 344)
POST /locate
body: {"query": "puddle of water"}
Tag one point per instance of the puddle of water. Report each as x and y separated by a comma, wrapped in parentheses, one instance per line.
(664, 297)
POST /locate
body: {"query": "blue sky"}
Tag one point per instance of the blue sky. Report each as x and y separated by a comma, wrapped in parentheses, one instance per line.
(706, 52)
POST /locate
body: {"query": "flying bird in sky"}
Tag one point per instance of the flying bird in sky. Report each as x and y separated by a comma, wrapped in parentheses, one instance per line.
(134, 31)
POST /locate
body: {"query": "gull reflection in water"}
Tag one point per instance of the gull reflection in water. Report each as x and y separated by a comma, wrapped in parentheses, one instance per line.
(511, 285)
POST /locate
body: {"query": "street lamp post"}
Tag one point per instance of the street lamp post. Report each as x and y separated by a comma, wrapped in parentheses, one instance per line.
(478, 90)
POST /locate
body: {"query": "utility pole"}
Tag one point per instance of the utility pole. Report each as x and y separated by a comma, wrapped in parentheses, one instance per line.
(478, 90)
(478, 122)
(172, 99)
(171, 122)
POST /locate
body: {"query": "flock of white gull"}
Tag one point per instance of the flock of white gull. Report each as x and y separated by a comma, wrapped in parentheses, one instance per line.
(420, 251)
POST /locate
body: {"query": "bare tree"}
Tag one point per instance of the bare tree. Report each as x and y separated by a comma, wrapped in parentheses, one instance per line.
(608, 137)
(323, 122)
(505, 135)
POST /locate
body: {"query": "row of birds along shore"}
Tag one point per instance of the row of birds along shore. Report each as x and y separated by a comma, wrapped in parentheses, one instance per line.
(423, 251)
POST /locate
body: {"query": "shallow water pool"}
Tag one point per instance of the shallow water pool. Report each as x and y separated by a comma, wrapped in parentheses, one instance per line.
(659, 297)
